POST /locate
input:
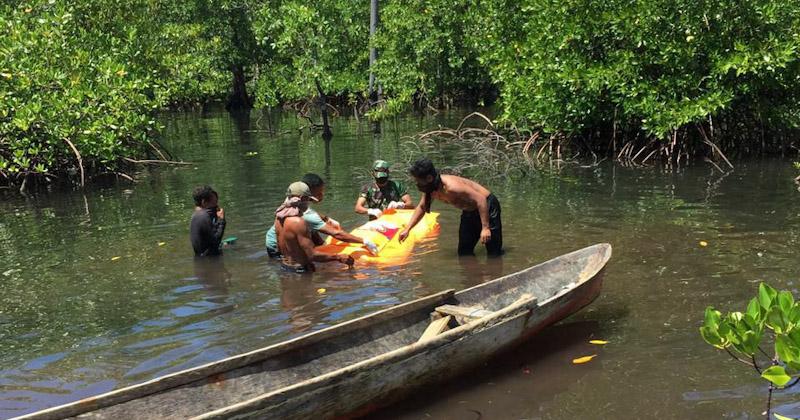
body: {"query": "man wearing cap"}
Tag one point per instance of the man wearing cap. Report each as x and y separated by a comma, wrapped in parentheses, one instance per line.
(294, 237)
(317, 223)
(382, 194)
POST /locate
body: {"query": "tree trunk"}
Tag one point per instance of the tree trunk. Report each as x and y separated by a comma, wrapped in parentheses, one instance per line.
(238, 100)
(373, 54)
(323, 109)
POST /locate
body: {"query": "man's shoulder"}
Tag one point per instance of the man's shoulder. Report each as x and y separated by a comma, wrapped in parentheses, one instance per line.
(200, 214)
(311, 216)
(294, 222)
(459, 182)
(366, 188)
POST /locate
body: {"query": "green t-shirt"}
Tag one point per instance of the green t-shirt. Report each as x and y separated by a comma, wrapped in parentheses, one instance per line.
(313, 221)
(379, 198)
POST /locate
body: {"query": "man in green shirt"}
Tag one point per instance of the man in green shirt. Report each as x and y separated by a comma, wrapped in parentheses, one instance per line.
(382, 194)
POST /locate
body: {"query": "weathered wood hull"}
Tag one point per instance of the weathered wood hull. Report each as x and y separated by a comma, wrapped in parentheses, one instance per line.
(360, 364)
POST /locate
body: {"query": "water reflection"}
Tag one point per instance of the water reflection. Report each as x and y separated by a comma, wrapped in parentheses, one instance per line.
(301, 299)
(75, 320)
(215, 278)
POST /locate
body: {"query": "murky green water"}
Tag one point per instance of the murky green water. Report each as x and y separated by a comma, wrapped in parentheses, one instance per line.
(76, 320)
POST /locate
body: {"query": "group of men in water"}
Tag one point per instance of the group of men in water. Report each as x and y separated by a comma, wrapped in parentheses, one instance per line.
(296, 229)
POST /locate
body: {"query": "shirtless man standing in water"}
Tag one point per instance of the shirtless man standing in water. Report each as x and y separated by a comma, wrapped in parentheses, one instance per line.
(294, 237)
(480, 217)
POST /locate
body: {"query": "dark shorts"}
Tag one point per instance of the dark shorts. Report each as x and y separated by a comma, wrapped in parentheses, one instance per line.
(274, 253)
(297, 268)
(469, 232)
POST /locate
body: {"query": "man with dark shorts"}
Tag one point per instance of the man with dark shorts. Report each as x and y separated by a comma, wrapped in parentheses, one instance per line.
(208, 222)
(480, 217)
(294, 238)
(382, 194)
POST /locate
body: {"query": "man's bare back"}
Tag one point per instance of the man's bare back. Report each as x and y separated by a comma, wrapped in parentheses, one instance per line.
(292, 235)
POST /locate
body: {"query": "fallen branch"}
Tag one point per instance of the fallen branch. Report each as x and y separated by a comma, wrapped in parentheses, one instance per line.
(80, 160)
(156, 161)
(477, 114)
(714, 164)
(157, 150)
(722, 155)
(126, 176)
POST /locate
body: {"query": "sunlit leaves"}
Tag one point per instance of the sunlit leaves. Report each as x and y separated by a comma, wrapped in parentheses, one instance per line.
(744, 333)
(654, 66)
(777, 375)
(68, 79)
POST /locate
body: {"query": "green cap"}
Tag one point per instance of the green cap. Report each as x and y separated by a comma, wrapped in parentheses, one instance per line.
(299, 189)
(381, 168)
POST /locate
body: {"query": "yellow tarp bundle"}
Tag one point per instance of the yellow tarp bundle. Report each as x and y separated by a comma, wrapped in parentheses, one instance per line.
(384, 232)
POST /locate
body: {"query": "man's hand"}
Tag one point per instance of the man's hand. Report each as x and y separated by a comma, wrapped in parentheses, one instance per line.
(402, 235)
(371, 247)
(396, 205)
(376, 213)
(220, 213)
(333, 223)
(346, 259)
(486, 235)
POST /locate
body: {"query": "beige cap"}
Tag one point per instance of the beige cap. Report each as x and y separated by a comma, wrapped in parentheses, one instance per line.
(300, 189)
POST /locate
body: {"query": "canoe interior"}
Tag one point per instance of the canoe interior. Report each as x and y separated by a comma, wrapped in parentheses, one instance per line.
(230, 381)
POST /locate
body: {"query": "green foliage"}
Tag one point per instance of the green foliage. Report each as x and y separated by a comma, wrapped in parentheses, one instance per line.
(658, 65)
(424, 54)
(744, 333)
(59, 82)
(94, 74)
(323, 41)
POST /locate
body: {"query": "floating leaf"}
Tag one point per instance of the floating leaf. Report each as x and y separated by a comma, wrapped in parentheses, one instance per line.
(599, 342)
(162, 243)
(321, 290)
(583, 359)
(115, 258)
(703, 243)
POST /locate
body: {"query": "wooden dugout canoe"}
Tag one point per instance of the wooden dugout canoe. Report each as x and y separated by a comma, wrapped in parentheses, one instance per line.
(361, 364)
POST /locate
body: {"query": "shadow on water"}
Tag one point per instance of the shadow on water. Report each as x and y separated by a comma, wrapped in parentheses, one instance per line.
(216, 279)
(512, 385)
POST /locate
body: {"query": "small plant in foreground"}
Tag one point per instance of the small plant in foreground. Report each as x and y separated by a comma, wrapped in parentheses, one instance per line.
(771, 317)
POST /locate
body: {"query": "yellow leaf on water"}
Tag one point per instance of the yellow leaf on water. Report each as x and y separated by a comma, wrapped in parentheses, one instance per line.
(321, 290)
(703, 243)
(583, 359)
(162, 243)
(115, 258)
(600, 342)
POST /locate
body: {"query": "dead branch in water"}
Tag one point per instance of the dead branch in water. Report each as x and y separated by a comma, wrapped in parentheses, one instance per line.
(80, 162)
(156, 161)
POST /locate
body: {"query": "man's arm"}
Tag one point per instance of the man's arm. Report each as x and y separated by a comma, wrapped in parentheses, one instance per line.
(218, 228)
(483, 212)
(341, 235)
(415, 218)
(361, 205)
(407, 200)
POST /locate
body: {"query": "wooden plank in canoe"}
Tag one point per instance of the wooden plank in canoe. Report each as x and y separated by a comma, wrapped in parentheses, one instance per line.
(463, 311)
(435, 328)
